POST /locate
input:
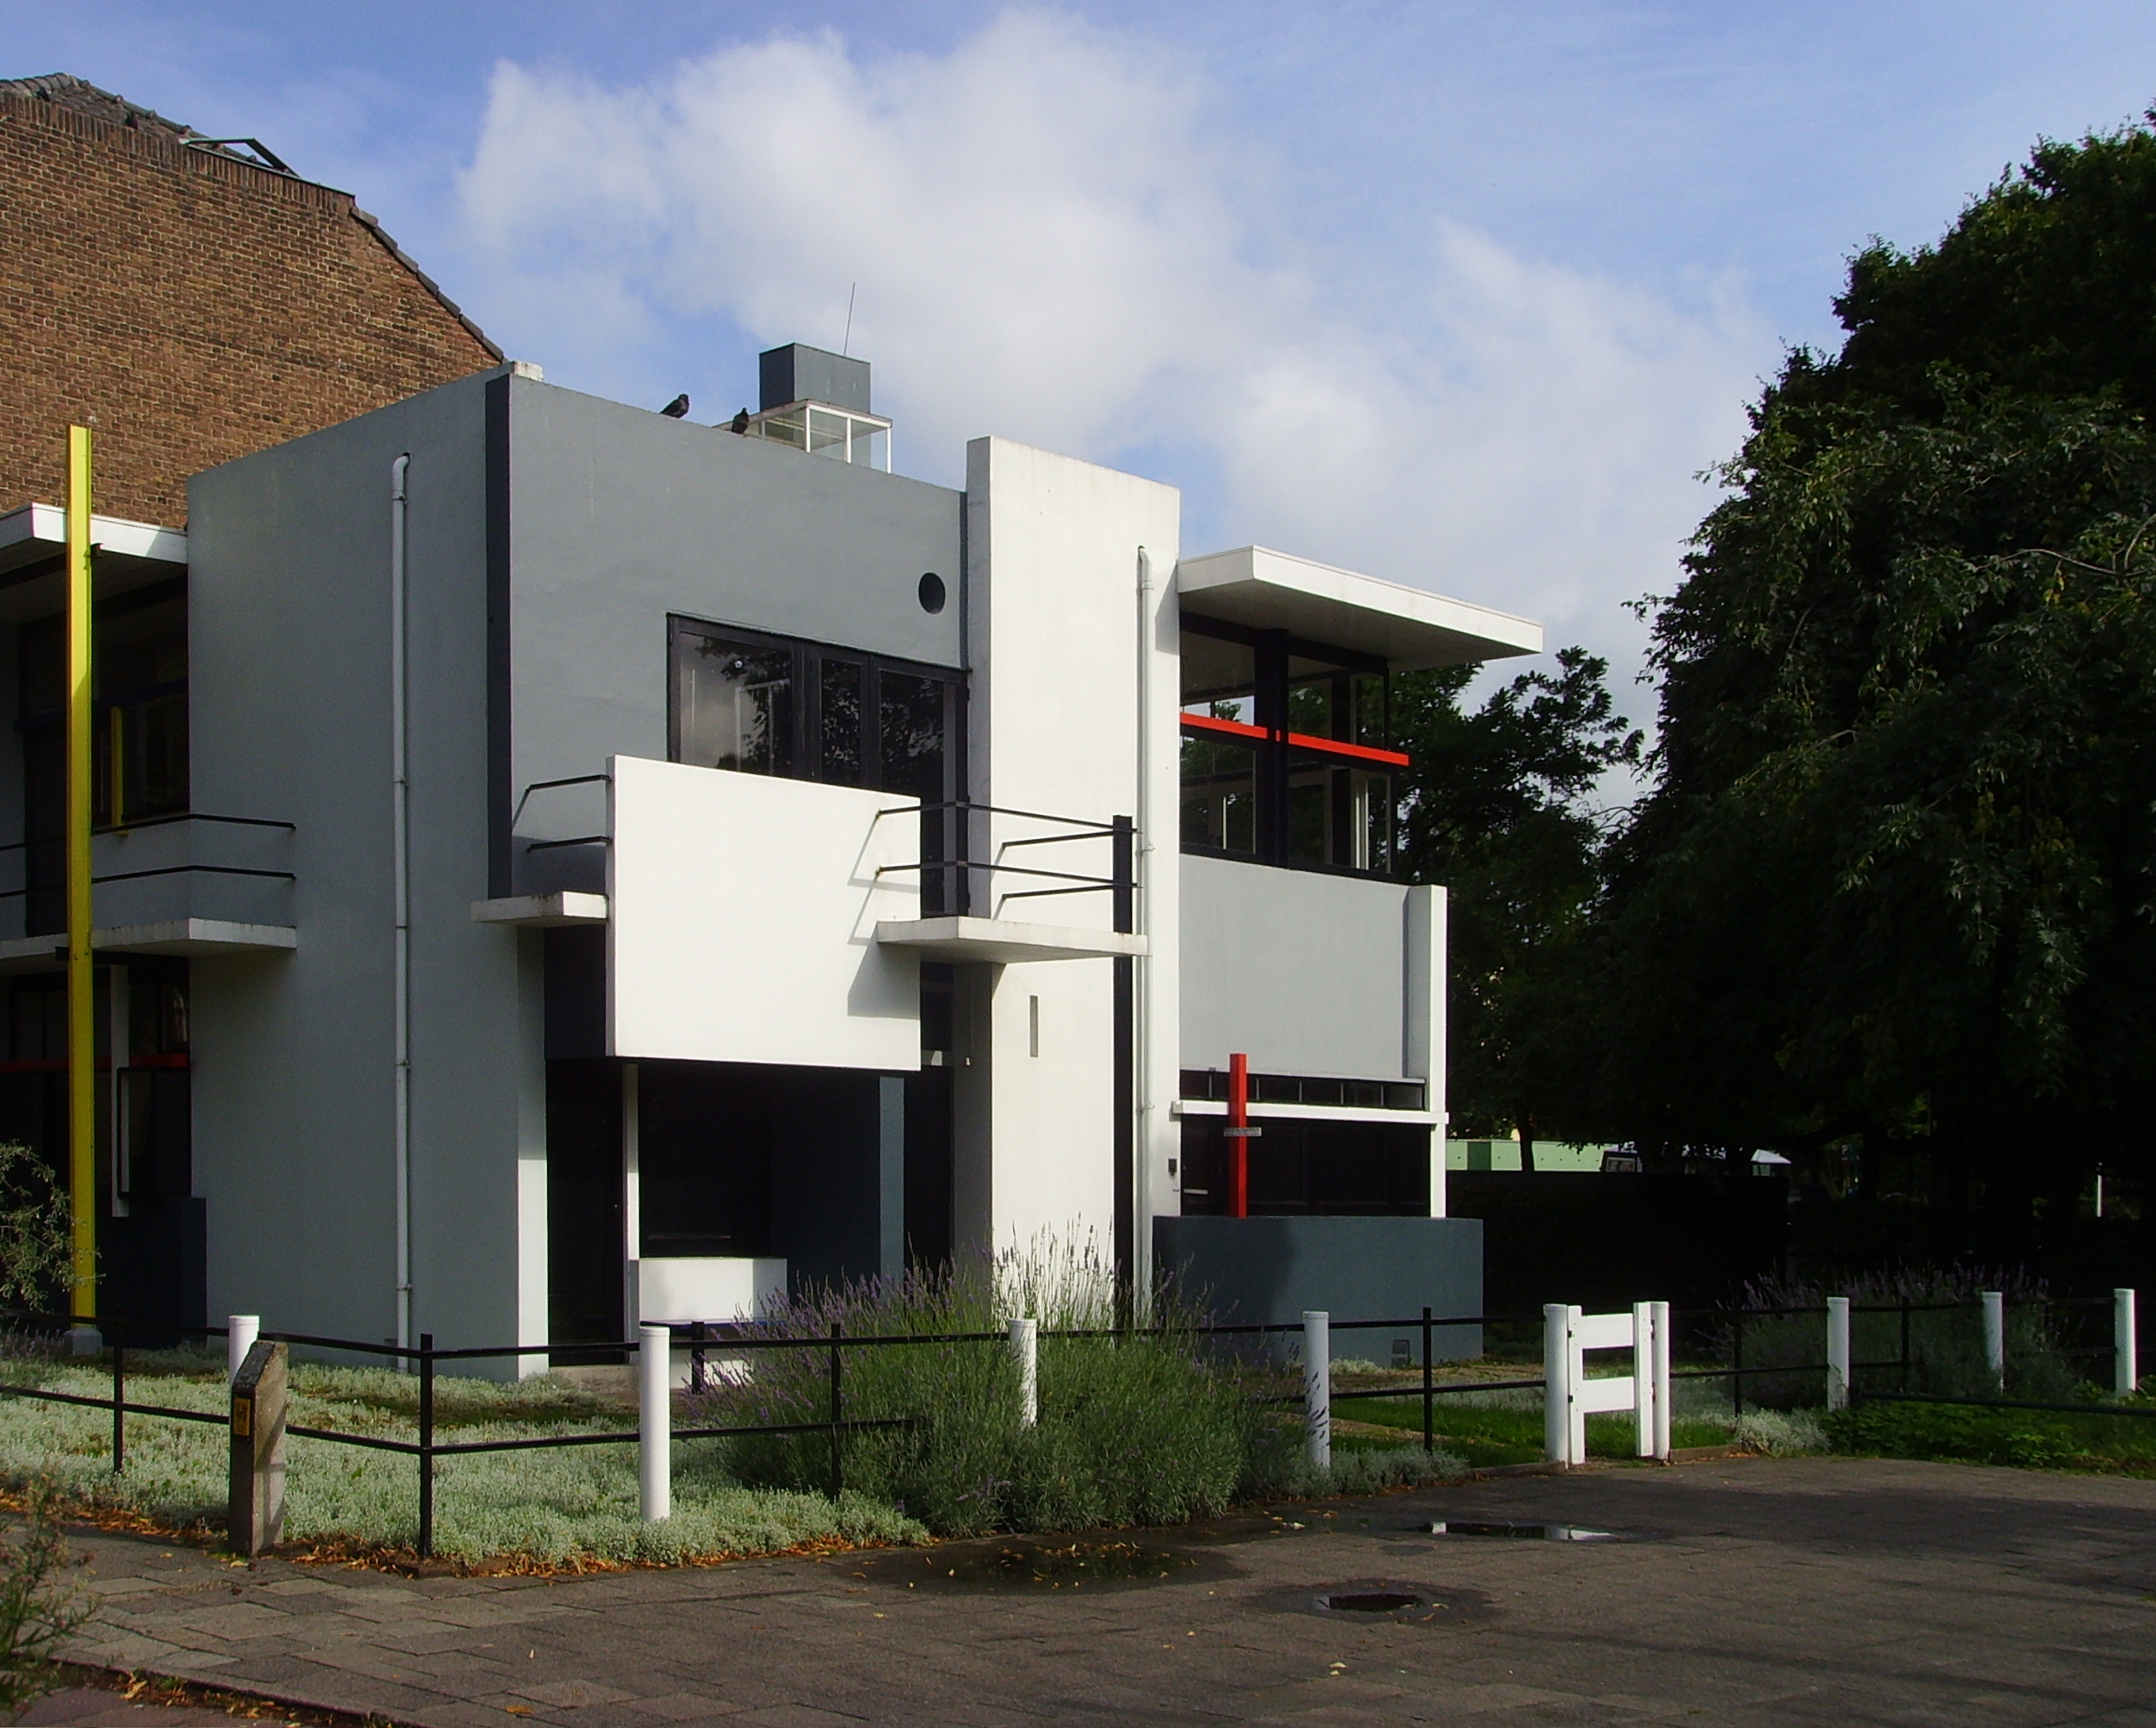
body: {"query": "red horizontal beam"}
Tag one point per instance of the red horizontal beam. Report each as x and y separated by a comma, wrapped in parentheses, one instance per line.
(1296, 740)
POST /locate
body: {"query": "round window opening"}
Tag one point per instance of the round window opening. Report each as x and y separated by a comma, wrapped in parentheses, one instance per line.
(932, 592)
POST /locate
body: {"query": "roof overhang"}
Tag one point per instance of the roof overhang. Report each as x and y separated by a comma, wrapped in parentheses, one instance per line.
(33, 538)
(1407, 628)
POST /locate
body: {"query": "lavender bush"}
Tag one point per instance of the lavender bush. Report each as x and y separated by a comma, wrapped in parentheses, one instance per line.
(1139, 1428)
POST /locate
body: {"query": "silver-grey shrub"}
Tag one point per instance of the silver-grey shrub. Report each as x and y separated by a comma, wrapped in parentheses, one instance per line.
(1136, 1426)
(1946, 1335)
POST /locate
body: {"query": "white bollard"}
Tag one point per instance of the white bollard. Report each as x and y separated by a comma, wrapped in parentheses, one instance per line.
(1556, 1382)
(655, 1427)
(1025, 1349)
(2126, 1367)
(1318, 1387)
(1837, 1353)
(1995, 1337)
(1646, 1384)
(1663, 1411)
(240, 1331)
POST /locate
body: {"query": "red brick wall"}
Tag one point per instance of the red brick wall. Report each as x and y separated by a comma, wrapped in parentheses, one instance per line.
(190, 308)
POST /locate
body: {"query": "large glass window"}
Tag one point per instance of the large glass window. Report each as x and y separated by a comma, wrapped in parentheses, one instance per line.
(1286, 755)
(734, 705)
(763, 705)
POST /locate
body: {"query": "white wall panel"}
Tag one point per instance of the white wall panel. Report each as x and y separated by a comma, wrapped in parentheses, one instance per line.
(1065, 649)
(743, 919)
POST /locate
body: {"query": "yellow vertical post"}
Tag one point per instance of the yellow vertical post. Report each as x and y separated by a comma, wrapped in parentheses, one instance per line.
(82, 981)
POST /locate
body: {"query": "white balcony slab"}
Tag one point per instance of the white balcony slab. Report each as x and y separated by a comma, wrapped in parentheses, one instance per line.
(199, 937)
(1004, 941)
(542, 911)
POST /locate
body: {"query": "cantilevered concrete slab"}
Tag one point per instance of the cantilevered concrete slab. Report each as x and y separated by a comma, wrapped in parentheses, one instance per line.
(1407, 628)
(1003, 941)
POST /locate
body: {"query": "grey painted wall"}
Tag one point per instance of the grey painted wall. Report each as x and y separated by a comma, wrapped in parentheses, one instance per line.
(291, 625)
(1306, 973)
(618, 517)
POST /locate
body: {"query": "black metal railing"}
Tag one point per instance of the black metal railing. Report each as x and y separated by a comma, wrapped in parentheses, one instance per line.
(950, 883)
(734, 1338)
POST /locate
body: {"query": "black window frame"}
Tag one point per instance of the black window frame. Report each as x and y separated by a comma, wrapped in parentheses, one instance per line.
(805, 745)
(1273, 649)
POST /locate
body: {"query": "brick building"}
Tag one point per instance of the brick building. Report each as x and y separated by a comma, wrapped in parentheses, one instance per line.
(190, 303)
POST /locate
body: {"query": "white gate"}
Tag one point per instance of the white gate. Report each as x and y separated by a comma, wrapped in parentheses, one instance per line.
(1569, 1396)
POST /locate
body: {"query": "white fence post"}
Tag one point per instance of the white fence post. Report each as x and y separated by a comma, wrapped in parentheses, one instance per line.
(240, 1331)
(1556, 1382)
(1026, 1350)
(1995, 1337)
(1837, 1353)
(1644, 1383)
(2126, 1368)
(1318, 1387)
(655, 1424)
(1662, 1349)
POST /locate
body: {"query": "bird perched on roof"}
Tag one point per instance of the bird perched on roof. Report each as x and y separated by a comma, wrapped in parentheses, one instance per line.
(677, 408)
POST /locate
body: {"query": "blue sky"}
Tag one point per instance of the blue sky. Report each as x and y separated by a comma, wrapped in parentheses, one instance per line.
(1461, 295)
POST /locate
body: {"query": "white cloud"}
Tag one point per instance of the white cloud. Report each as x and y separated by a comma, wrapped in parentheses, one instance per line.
(1058, 239)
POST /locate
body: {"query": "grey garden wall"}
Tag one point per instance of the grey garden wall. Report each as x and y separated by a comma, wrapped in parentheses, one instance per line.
(1305, 972)
(1267, 1271)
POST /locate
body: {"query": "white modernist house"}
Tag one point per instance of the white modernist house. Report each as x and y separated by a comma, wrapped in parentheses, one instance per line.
(561, 865)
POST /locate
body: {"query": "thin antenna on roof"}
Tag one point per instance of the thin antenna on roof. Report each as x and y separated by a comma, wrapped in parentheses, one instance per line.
(845, 347)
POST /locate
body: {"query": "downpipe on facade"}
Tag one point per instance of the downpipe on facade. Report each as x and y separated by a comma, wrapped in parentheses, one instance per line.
(1141, 980)
(400, 795)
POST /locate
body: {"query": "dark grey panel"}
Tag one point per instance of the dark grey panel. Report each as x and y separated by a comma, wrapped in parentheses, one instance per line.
(1266, 1271)
(800, 373)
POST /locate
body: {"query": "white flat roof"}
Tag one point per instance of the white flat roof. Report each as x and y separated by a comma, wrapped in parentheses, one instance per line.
(36, 529)
(1408, 628)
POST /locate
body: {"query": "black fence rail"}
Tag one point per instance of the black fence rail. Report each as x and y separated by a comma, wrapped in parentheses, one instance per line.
(1725, 1328)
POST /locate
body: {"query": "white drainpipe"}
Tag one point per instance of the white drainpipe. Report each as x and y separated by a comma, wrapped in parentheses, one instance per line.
(1141, 979)
(400, 798)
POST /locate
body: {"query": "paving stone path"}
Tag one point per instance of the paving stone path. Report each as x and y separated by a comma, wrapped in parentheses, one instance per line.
(1751, 1592)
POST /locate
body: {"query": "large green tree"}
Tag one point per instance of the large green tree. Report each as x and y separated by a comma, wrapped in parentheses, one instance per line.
(1499, 807)
(1898, 876)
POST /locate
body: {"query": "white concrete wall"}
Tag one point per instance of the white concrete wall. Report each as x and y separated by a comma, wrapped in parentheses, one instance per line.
(1057, 632)
(743, 921)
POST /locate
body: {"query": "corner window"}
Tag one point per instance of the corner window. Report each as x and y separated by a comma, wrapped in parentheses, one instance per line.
(1286, 753)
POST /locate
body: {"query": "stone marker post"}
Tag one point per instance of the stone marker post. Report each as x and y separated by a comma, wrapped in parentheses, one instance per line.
(255, 1520)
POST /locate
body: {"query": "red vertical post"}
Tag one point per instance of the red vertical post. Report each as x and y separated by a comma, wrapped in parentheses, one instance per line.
(1239, 1135)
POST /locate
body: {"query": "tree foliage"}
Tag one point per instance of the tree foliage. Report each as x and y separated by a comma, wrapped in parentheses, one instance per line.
(1496, 808)
(1894, 878)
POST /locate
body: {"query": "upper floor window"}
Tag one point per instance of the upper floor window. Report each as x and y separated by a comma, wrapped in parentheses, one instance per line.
(1286, 753)
(765, 704)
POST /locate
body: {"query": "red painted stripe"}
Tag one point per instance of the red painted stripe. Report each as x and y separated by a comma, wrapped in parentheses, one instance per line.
(1234, 728)
(1298, 740)
(1360, 752)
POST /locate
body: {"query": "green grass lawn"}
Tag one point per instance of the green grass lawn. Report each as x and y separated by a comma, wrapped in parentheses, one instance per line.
(1488, 1433)
(2032, 1439)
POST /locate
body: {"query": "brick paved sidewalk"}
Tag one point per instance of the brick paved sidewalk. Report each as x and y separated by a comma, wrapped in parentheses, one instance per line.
(1803, 1591)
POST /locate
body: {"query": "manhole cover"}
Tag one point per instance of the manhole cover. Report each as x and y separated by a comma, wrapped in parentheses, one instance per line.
(1370, 1602)
(1525, 1532)
(1400, 1601)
